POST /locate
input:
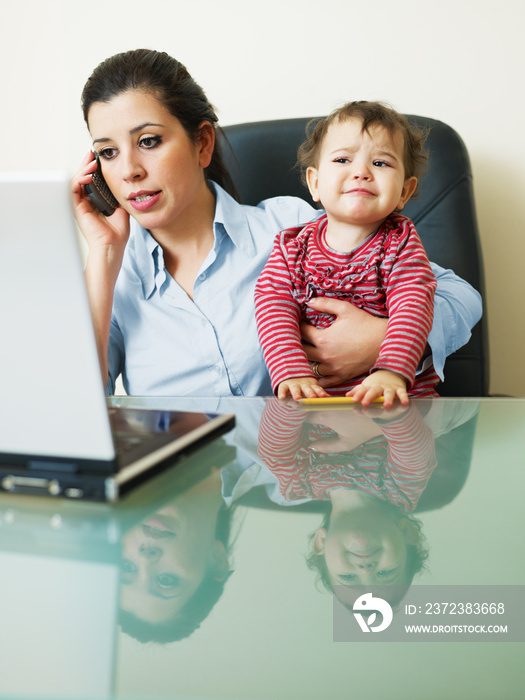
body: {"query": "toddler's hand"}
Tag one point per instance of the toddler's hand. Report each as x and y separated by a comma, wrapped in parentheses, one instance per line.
(299, 388)
(381, 383)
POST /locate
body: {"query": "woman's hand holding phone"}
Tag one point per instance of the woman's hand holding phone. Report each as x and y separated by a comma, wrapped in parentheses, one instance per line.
(106, 238)
(111, 232)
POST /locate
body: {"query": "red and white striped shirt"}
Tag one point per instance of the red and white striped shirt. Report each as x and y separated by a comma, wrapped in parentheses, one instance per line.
(388, 275)
(394, 466)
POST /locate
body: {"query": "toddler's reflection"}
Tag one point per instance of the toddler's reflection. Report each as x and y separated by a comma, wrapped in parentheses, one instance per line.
(364, 543)
(365, 470)
(369, 467)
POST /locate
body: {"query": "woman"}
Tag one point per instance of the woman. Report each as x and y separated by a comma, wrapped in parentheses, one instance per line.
(171, 273)
(176, 562)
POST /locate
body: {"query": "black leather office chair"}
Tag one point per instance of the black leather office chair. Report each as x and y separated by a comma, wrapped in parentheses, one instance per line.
(262, 165)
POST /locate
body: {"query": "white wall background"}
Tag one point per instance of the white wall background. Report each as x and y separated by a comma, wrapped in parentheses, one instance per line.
(458, 61)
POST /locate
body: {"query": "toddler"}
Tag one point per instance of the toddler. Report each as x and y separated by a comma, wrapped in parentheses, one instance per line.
(361, 163)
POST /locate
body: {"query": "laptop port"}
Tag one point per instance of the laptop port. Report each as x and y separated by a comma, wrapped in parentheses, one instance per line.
(30, 484)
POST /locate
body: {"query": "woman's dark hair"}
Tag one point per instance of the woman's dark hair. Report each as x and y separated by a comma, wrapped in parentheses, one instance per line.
(158, 73)
(187, 621)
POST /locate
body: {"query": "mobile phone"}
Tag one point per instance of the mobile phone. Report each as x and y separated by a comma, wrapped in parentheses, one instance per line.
(99, 192)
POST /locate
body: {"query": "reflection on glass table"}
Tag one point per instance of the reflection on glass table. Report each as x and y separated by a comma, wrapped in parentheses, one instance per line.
(370, 467)
(156, 564)
(176, 562)
(215, 579)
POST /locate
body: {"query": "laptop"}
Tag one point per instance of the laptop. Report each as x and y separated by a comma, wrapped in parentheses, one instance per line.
(58, 437)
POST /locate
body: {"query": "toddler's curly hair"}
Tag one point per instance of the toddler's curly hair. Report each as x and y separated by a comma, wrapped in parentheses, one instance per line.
(371, 114)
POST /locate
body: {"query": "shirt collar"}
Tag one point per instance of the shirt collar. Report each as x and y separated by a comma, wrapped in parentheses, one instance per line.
(147, 255)
(230, 219)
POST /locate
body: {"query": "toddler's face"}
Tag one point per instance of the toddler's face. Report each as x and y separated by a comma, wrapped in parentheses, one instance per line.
(360, 177)
(364, 548)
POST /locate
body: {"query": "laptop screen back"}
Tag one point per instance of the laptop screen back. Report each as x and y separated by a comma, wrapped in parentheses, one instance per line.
(51, 395)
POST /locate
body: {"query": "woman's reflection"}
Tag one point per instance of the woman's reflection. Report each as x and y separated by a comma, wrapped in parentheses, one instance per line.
(362, 470)
(175, 564)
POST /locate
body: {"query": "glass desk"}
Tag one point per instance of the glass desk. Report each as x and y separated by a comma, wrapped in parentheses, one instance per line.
(240, 572)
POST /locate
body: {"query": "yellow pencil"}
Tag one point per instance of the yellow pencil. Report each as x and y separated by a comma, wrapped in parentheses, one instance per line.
(334, 399)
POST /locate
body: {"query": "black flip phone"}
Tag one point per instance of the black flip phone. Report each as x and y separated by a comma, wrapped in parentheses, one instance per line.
(99, 192)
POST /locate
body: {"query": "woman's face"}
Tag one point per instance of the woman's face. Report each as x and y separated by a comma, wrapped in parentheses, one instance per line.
(148, 160)
(165, 560)
(166, 557)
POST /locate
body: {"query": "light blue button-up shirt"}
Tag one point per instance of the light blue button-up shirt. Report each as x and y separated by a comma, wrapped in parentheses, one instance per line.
(166, 344)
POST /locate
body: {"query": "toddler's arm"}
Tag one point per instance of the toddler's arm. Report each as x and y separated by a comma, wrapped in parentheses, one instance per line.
(350, 346)
(410, 285)
(278, 317)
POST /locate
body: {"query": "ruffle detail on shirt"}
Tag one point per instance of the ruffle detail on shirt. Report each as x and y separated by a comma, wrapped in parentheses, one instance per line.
(340, 284)
(339, 280)
(365, 468)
